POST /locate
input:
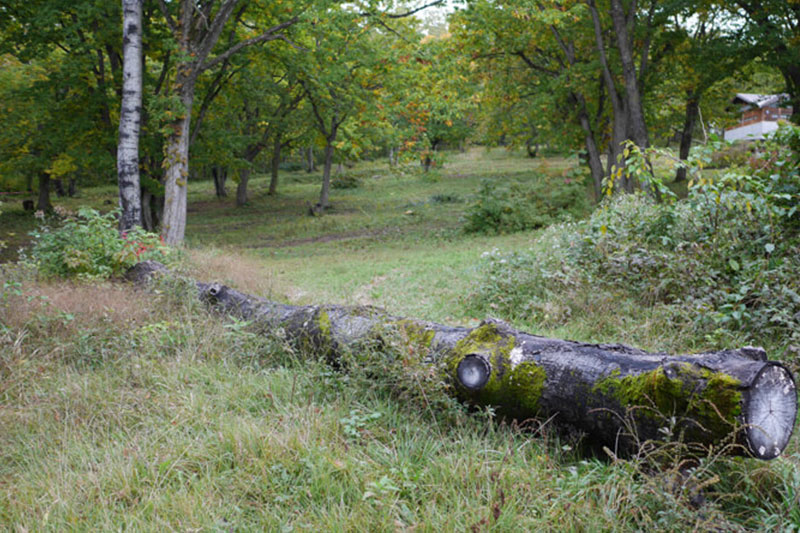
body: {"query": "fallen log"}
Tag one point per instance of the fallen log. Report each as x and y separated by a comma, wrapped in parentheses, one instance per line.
(617, 395)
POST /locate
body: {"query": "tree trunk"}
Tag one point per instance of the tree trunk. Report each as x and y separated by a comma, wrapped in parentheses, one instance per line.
(791, 76)
(276, 162)
(129, 117)
(43, 203)
(173, 222)
(58, 186)
(733, 400)
(532, 148)
(692, 108)
(72, 187)
(326, 177)
(633, 99)
(310, 159)
(593, 153)
(620, 118)
(148, 221)
(220, 175)
(241, 189)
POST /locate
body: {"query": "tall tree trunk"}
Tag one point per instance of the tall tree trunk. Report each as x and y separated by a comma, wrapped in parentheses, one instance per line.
(620, 119)
(72, 187)
(241, 189)
(592, 152)
(58, 186)
(173, 222)
(692, 109)
(619, 134)
(276, 162)
(148, 221)
(638, 127)
(43, 203)
(791, 76)
(220, 175)
(310, 159)
(129, 118)
(326, 175)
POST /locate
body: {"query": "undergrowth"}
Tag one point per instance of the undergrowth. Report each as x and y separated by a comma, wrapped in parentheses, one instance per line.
(525, 205)
(720, 267)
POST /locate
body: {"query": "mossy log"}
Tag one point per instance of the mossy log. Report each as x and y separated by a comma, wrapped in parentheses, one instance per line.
(734, 400)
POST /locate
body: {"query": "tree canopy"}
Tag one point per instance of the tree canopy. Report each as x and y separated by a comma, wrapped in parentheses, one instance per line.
(223, 80)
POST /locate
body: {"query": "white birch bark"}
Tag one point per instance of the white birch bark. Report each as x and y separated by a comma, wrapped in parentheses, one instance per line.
(129, 116)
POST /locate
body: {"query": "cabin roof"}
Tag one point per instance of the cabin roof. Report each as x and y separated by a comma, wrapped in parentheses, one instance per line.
(760, 100)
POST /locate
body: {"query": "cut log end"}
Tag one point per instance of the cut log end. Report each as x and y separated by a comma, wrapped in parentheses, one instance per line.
(474, 371)
(770, 412)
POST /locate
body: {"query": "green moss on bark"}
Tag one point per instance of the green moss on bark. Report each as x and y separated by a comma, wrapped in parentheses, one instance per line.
(514, 389)
(712, 399)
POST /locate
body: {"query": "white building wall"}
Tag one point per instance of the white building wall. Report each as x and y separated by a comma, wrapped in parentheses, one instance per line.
(750, 132)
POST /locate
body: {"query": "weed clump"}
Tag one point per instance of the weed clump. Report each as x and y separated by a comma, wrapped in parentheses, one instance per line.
(345, 181)
(89, 246)
(521, 206)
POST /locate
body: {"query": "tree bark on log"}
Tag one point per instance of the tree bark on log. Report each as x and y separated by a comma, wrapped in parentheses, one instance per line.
(733, 400)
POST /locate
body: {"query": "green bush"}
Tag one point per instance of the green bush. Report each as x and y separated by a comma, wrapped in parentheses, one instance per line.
(520, 206)
(345, 181)
(734, 155)
(90, 246)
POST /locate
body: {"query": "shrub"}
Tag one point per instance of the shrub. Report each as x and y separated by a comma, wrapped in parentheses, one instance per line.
(345, 181)
(733, 155)
(89, 245)
(521, 206)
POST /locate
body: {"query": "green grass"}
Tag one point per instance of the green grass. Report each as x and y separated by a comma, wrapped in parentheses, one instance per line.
(128, 410)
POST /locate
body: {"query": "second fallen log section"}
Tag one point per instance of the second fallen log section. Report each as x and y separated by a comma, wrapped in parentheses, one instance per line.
(616, 394)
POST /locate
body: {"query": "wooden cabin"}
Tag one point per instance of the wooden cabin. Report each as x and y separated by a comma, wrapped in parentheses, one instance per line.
(760, 114)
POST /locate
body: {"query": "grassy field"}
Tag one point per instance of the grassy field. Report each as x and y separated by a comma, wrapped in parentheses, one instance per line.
(125, 410)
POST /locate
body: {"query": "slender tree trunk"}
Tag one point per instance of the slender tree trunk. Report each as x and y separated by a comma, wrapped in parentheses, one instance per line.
(592, 152)
(58, 186)
(276, 162)
(147, 212)
(72, 187)
(638, 127)
(43, 204)
(173, 223)
(310, 159)
(692, 109)
(620, 122)
(532, 147)
(241, 189)
(791, 76)
(326, 174)
(619, 134)
(130, 114)
(220, 175)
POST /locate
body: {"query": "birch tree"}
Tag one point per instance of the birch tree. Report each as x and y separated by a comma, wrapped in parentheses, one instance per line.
(129, 116)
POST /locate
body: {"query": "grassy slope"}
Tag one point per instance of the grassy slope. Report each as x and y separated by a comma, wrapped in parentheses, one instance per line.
(123, 410)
